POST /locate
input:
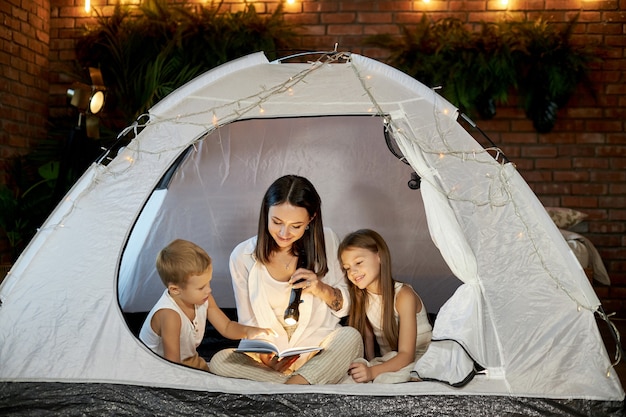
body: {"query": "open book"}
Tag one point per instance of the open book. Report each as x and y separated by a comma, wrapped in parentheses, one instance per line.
(264, 346)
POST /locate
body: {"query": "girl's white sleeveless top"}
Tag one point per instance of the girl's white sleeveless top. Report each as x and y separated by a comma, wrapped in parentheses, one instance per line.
(375, 315)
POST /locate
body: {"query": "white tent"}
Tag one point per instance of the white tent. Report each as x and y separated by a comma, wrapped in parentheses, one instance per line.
(521, 306)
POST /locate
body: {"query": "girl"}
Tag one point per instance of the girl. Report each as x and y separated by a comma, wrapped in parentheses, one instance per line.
(386, 312)
(266, 268)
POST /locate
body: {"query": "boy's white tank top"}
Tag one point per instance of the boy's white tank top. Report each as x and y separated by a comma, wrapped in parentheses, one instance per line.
(191, 332)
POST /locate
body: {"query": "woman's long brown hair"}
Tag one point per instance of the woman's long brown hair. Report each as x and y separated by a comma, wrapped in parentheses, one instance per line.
(299, 192)
(372, 241)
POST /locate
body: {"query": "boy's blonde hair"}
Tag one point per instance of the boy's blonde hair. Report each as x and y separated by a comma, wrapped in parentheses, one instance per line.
(179, 260)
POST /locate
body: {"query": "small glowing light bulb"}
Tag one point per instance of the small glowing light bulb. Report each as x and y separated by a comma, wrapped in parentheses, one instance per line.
(87, 6)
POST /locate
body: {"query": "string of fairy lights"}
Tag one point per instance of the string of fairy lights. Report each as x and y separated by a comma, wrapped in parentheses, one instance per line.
(501, 181)
(499, 192)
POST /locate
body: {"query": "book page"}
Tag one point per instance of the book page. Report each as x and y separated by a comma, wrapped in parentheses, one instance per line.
(257, 345)
(299, 351)
(264, 346)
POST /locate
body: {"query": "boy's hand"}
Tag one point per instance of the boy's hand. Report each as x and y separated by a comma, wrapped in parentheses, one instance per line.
(260, 333)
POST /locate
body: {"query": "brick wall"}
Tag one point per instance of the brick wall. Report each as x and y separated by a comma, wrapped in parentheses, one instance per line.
(24, 66)
(24, 88)
(581, 164)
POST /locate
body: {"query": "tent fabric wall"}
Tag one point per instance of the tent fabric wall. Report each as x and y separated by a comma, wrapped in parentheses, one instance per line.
(213, 200)
(534, 330)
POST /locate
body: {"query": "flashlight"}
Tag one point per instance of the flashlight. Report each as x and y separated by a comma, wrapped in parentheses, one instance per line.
(292, 313)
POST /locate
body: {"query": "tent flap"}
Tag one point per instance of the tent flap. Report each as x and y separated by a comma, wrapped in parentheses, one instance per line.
(445, 361)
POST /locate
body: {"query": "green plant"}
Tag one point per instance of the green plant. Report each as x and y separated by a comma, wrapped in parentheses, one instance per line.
(35, 182)
(477, 68)
(471, 68)
(26, 199)
(492, 69)
(147, 52)
(550, 67)
(427, 49)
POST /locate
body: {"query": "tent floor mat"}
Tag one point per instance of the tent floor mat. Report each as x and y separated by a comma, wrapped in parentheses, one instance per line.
(26, 399)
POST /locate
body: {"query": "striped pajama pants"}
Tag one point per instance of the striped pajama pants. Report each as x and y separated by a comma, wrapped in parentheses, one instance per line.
(330, 366)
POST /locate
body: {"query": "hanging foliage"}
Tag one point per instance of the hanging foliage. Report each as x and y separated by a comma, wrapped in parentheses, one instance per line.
(549, 68)
(476, 69)
(147, 52)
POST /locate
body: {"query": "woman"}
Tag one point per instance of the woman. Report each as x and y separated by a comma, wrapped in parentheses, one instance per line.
(266, 268)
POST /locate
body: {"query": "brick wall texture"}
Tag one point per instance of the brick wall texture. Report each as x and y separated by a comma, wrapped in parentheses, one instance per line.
(24, 74)
(580, 164)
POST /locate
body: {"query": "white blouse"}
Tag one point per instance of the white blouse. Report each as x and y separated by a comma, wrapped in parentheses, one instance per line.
(262, 304)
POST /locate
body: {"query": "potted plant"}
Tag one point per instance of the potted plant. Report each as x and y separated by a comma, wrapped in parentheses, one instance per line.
(492, 69)
(429, 52)
(472, 69)
(477, 69)
(549, 67)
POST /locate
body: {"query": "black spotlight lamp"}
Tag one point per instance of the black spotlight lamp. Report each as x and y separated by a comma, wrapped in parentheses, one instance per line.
(89, 100)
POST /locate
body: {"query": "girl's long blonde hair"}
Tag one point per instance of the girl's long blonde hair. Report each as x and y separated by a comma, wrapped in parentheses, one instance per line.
(372, 241)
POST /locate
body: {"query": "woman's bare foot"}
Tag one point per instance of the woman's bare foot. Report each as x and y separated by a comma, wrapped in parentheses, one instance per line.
(297, 379)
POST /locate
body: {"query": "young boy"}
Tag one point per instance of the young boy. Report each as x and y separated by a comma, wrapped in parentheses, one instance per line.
(175, 326)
